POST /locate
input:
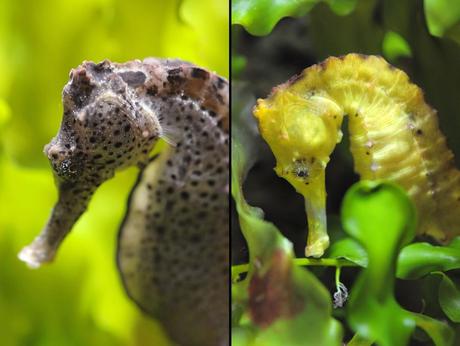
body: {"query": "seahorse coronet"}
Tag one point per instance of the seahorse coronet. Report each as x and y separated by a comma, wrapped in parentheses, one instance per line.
(172, 253)
(394, 135)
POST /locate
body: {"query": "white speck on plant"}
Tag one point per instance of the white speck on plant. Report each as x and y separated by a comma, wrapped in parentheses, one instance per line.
(341, 295)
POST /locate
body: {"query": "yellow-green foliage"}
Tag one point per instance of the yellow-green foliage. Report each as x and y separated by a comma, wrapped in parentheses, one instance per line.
(79, 299)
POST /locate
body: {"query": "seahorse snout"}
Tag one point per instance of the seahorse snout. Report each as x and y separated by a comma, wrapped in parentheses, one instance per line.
(65, 163)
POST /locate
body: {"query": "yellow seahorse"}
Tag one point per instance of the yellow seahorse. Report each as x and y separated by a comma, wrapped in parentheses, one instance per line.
(394, 135)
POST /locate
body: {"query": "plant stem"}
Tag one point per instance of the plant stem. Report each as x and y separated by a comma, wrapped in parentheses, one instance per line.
(318, 262)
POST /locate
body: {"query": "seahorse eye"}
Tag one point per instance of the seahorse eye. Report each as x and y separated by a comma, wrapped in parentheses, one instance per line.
(302, 173)
(68, 169)
(300, 169)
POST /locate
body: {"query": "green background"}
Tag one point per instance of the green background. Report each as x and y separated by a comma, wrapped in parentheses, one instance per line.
(78, 300)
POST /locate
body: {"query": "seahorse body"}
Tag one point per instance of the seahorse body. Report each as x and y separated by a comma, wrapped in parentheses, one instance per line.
(173, 243)
(394, 135)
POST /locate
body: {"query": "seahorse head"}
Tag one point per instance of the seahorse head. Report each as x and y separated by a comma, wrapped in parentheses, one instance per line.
(102, 128)
(301, 137)
(302, 130)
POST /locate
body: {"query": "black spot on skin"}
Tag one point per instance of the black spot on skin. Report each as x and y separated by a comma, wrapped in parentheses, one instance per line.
(152, 90)
(133, 78)
(199, 73)
(175, 77)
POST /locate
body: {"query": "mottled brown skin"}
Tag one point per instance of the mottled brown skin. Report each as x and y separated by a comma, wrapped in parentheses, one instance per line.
(173, 243)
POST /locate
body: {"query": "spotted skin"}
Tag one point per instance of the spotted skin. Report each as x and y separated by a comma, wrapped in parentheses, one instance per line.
(173, 242)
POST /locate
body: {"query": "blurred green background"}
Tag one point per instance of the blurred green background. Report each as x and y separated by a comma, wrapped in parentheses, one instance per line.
(78, 300)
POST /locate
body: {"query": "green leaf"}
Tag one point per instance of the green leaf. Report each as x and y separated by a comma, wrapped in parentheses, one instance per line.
(282, 304)
(238, 64)
(442, 16)
(373, 311)
(348, 249)
(439, 332)
(414, 261)
(358, 340)
(449, 298)
(419, 259)
(260, 16)
(395, 46)
(242, 336)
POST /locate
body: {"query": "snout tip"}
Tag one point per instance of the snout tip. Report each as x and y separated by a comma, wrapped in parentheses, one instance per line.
(35, 255)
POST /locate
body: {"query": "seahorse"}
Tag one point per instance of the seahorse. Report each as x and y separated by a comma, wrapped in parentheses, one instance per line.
(394, 135)
(173, 242)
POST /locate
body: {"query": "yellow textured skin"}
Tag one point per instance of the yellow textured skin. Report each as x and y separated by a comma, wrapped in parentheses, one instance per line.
(394, 135)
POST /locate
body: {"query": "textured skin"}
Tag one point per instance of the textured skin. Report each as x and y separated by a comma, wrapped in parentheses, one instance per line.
(394, 135)
(173, 243)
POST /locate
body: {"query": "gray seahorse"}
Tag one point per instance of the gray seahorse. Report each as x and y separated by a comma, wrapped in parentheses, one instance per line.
(173, 242)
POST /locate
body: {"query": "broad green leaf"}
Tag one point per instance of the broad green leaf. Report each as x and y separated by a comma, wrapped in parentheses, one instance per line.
(373, 311)
(414, 261)
(419, 259)
(449, 298)
(440, 332)
(260, 16)
(285, 304)
(442, 16)
(295, 308)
